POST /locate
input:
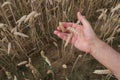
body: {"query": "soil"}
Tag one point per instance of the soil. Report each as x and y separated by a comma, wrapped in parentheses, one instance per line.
(83, 69)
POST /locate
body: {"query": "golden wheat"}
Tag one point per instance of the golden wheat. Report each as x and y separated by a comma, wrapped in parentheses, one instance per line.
(102, 72)
(20, 34)
(6, 3)
(46, 59)
(9, 48)
(22, 63)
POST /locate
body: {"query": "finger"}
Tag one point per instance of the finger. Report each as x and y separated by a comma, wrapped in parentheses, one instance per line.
(66, 24)
(82, 19)
(74, 25)
(61, 35)
(63, 25)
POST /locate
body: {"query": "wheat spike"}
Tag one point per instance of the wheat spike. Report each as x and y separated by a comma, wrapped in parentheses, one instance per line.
(20, 34)
(116, 8)
(6, 3)
(22, 19)
(73, 30)
(31, 16)
(102, 72)
(68, 39)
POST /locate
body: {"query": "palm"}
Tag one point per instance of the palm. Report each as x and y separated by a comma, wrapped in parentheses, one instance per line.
(82, 41)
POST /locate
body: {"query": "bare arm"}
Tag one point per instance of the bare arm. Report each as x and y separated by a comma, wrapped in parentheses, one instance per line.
(89, 42)
(107, 56)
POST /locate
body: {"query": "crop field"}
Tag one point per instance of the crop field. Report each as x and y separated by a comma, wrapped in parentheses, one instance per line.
(30, 51)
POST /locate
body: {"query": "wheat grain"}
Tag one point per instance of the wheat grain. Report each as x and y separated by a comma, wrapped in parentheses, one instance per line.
(61, 26)
(64, 66)
(102, 72)
(71, 29)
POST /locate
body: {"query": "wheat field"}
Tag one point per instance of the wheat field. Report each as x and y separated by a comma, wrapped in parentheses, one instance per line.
(30, 51)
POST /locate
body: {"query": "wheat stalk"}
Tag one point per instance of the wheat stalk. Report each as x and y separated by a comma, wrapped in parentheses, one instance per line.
(46, 59)
(22, 63)
(15, 78)
(79, 56)
(68, 39)
(9, 48)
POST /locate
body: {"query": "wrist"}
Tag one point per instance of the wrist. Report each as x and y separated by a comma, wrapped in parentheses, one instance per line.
(95, 43)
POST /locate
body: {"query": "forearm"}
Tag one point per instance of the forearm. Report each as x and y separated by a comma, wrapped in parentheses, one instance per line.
(107, 56)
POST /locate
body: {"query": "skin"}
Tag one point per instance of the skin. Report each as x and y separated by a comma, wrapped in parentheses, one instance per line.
(90, 43)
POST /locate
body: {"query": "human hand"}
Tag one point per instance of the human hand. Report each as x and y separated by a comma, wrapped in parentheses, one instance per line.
(85, 40)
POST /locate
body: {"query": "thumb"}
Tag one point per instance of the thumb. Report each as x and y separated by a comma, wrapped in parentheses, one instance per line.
(82, 19)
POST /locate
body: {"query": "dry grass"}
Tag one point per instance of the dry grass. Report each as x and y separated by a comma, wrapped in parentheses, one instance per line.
(26, 28)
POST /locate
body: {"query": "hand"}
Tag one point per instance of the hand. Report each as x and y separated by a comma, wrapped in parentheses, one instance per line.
(86, 38)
